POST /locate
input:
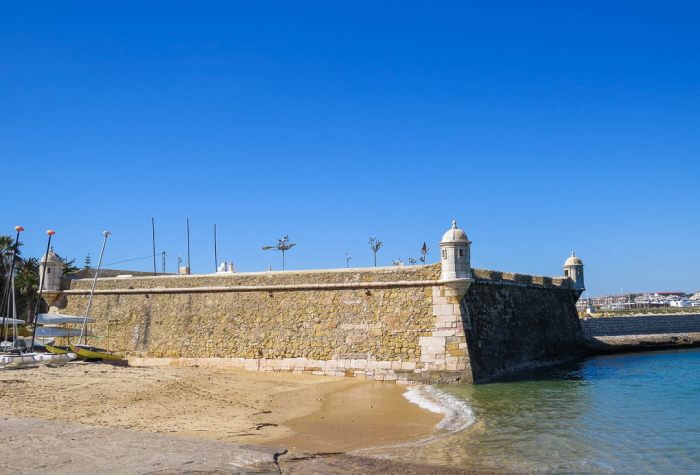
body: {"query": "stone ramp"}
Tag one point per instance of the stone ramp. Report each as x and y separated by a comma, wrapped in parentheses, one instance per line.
(29, 446)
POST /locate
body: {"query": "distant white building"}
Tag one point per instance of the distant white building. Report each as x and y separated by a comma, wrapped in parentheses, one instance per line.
(679, 303)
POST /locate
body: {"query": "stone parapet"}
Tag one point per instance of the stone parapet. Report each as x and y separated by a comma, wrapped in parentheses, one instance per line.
(484, 276)
(259, 279)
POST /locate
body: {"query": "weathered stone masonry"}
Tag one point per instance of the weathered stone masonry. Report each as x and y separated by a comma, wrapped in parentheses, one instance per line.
(437, 323)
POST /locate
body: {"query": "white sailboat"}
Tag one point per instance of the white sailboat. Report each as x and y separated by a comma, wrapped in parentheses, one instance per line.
(26, 360)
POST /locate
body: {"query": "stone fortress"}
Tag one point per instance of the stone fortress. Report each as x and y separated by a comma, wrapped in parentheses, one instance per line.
(442, 323)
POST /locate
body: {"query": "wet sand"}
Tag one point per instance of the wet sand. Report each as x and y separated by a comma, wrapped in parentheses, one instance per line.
(368, 415)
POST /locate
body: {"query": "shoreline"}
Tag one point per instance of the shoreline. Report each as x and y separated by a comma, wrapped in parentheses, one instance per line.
(360, 417)
(263, 421)
(297, 414)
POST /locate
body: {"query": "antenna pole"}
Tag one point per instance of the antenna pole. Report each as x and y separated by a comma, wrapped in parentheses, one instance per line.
(282, 259)
(153, 229)
(216, 259)
(188, 245)
(41, 287)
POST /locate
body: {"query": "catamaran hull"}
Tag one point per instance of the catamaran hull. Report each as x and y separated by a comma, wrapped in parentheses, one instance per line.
(89, 353)
(34, 359)
(58, 350)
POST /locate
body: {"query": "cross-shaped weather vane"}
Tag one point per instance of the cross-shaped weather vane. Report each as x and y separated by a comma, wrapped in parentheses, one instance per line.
(424, 251)
(282, 245)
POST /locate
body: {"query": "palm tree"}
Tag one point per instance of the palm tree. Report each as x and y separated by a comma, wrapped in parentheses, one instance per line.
(27, 284)
(6, 247)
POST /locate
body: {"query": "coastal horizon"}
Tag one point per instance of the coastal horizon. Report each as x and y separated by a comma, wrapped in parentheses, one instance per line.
(408, 238)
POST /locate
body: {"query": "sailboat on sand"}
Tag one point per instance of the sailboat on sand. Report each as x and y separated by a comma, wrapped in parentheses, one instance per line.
(85, 351)
(18, 355)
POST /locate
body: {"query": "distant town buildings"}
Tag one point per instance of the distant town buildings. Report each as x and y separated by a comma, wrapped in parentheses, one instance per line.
(632, 301)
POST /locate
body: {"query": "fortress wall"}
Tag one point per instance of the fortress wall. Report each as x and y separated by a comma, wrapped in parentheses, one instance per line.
(364, 323)
(394, 323)
(512, 323)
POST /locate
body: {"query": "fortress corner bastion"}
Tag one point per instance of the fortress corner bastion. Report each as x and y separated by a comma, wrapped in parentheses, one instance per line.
(440, 323)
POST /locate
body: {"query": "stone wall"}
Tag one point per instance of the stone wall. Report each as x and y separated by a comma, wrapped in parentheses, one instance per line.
(640, 324)
(349, 322)
(514, 321)
(395, 323)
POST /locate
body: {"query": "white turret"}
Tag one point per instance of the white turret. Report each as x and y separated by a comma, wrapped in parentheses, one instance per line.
(573, 269)
(454, 254)
(54, 270)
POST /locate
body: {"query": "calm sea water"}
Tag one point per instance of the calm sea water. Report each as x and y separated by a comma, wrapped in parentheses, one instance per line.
(635, 413)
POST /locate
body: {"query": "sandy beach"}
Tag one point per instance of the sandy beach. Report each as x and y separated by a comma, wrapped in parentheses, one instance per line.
(293, 411)
(193, 420)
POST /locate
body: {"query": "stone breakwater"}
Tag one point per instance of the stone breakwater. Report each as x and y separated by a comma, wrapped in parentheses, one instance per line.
(397, 323)
(640, 324)
(641, 332)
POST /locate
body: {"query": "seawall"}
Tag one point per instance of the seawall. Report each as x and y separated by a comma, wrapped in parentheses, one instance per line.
(641, 332)
(394, 323)
(518, 321)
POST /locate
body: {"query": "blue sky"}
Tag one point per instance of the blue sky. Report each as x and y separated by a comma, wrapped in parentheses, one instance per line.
(541, 129)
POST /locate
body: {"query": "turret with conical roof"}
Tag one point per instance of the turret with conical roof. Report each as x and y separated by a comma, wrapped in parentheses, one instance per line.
(573, 269)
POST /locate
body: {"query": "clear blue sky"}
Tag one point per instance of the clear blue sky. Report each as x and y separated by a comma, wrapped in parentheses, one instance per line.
(541, 129)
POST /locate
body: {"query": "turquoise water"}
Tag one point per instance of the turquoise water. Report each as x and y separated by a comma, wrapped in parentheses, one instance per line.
(635, 413)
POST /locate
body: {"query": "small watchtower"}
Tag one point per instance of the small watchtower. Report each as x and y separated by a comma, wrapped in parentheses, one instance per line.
(454, 254)
(573, 269)
(54, 270)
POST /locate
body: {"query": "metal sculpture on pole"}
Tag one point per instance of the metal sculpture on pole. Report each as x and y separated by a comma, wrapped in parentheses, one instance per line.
(282, 245)
(375, 244)
(424, 251)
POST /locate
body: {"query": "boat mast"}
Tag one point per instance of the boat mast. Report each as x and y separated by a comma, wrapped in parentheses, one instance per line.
(94, 282)
(14, 316)
(6, 294)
